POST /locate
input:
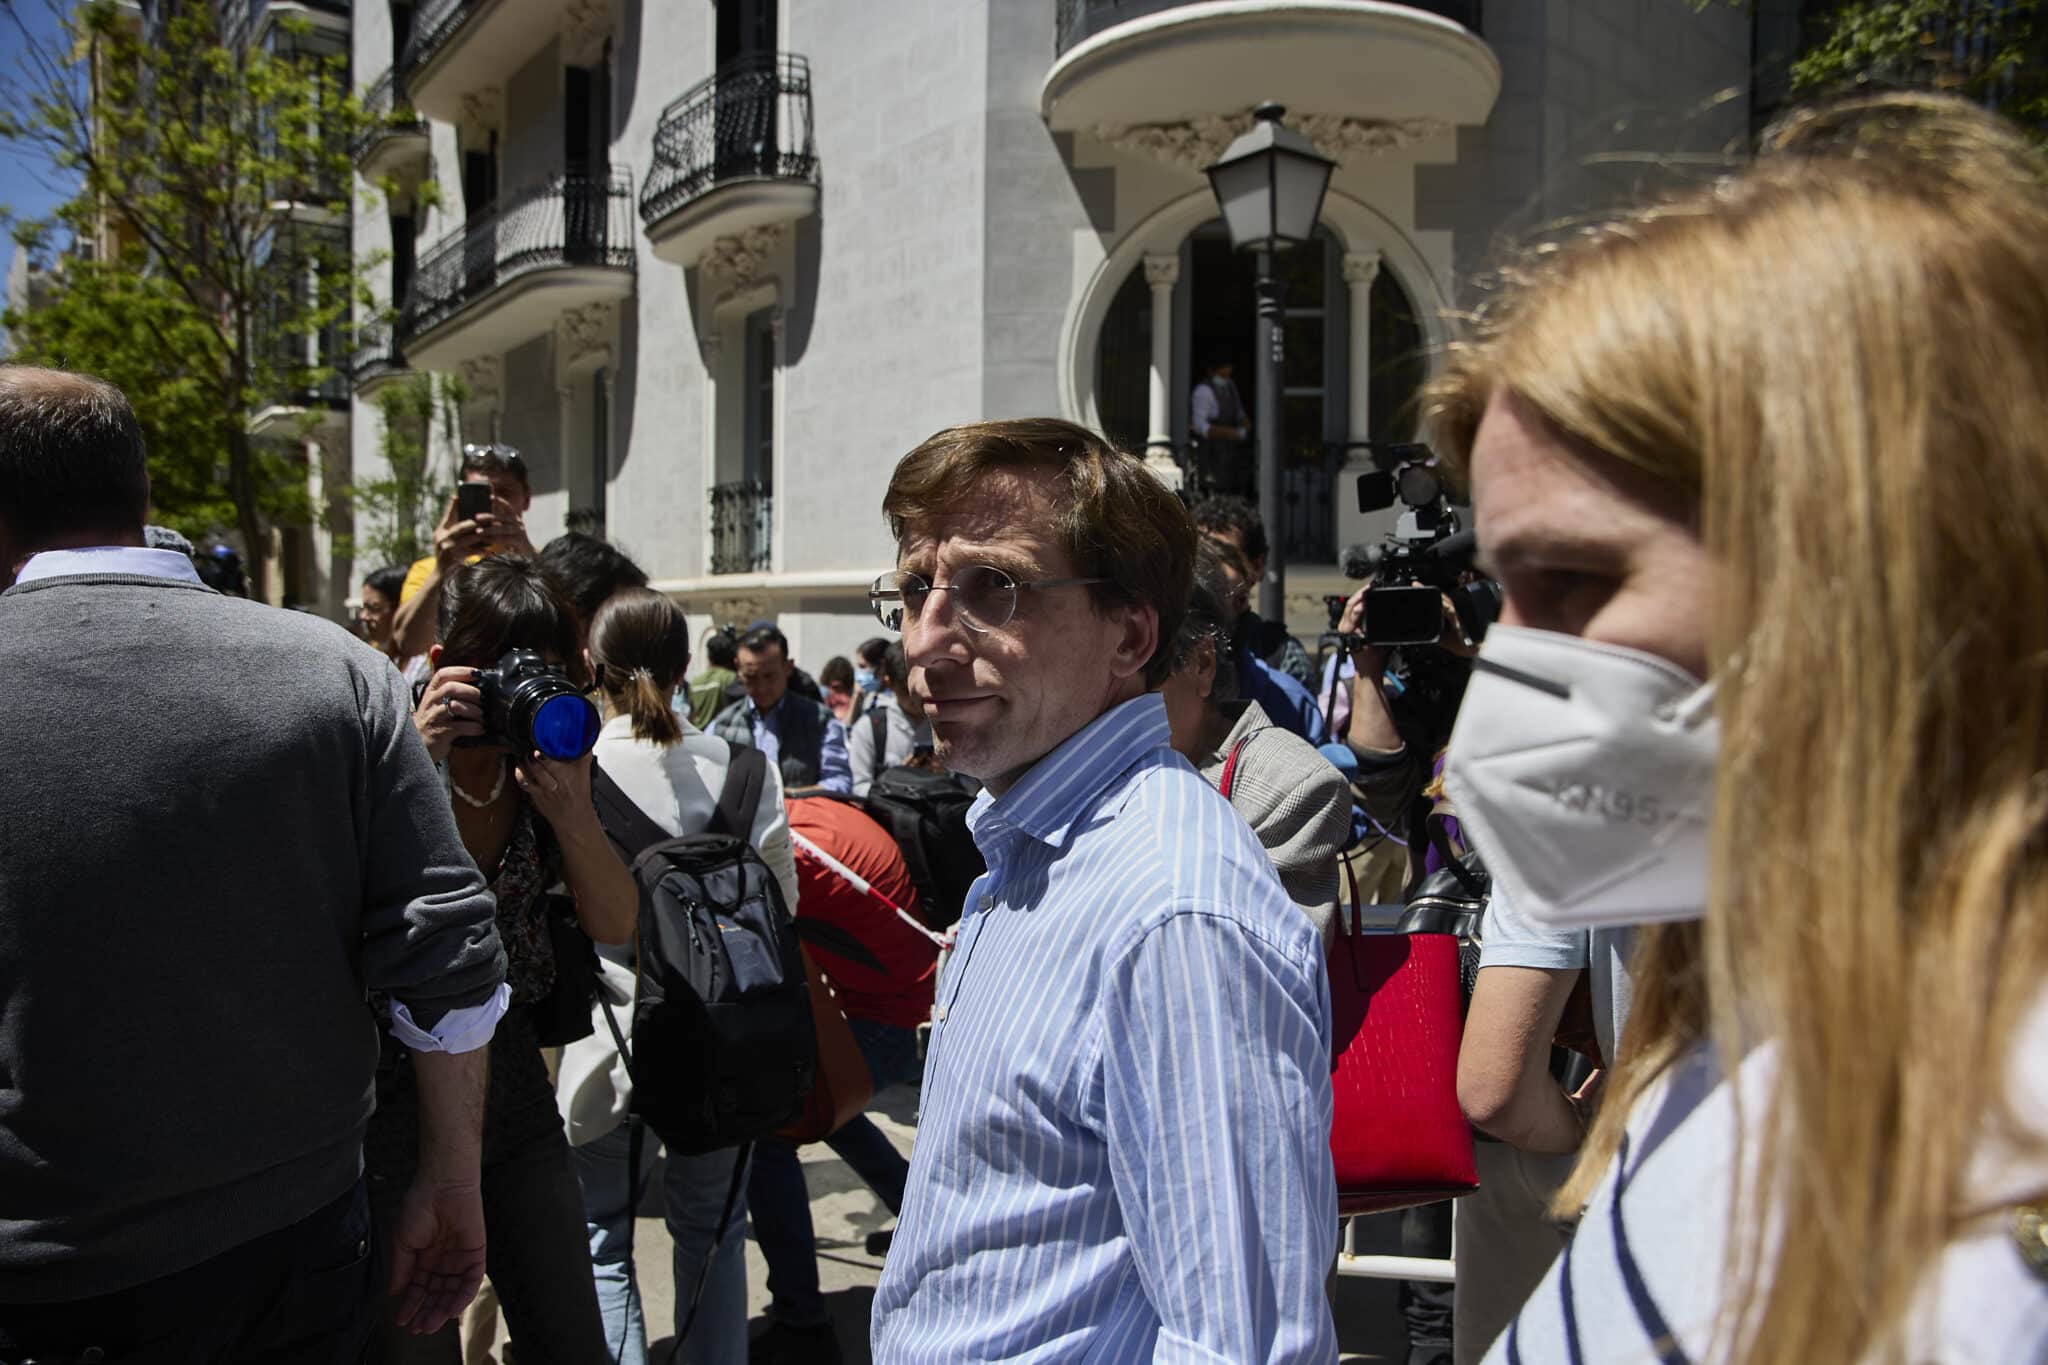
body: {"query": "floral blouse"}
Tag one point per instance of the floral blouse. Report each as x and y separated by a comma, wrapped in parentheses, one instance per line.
(532, 863)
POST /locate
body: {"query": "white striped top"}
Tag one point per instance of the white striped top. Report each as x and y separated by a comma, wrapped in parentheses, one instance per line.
(1124, 1148)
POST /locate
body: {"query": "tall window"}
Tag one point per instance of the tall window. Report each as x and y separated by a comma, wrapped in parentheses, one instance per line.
(757, 460)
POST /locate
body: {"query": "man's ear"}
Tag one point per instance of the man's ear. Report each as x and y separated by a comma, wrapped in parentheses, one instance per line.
(1137, 641)
(1205, 667)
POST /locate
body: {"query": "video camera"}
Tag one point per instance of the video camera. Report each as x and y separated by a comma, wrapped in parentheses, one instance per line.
(531, 707)
(1426, 558)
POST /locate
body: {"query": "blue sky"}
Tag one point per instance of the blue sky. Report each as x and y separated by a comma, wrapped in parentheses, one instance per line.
(25, 183)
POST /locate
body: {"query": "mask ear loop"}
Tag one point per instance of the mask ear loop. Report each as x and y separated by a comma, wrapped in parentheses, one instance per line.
(1693, 710)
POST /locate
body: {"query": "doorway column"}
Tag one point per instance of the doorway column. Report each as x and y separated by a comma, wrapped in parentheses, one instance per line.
(1161, 273)
(1361, 268)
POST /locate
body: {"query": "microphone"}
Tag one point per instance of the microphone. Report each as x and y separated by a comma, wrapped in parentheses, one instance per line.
(1457, 546)
(1358, 560)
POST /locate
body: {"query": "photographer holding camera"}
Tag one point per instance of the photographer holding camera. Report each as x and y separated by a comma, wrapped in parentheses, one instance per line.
(504, 716)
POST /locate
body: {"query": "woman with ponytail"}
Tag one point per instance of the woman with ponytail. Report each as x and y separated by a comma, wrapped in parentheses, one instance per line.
(639, 654)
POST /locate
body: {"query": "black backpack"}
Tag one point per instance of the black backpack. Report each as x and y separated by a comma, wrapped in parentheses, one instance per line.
(723, 1048)
(926, 813)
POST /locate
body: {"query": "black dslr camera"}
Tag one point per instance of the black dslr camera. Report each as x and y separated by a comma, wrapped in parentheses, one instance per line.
(1426, 558)
(531, 707)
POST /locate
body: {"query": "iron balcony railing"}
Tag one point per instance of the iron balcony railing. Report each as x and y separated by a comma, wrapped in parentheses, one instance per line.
(750, 121)
(433, 24)
(1076, 21)
(571, 221)
(376, 355)
(386, 112)
(742, 521)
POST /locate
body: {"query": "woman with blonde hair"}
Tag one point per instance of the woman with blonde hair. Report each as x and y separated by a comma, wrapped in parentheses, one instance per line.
(1764, 474)
(639, 655)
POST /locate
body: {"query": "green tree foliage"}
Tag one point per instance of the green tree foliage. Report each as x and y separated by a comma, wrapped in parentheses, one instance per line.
(212, 175)
(1989, 52)
(396, 515)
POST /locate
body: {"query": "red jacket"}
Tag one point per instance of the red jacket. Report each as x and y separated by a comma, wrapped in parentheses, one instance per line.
(901, 992)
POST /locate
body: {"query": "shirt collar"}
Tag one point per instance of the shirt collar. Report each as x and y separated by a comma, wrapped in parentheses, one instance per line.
(1064, 784)
(103, 559)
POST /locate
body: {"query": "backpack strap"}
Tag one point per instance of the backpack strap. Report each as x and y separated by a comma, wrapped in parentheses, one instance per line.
(878, 730)
(746, 776)
(629, 827)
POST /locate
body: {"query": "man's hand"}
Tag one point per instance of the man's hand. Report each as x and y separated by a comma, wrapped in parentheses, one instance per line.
(437, 1252)
(506, 530)
(457, 538)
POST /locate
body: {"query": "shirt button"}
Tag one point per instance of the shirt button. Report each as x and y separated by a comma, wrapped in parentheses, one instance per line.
(988, 902)
(939, 1015)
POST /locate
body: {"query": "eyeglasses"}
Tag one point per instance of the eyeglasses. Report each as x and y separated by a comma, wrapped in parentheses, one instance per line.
(985, 596)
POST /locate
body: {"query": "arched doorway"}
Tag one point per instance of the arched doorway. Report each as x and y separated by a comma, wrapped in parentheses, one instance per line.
(1213, 315)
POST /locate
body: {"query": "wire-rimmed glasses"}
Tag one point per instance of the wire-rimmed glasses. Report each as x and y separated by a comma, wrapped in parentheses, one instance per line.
(985, 596)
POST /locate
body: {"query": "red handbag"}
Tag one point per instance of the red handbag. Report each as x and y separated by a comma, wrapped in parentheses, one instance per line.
(1397, 1135)
(1397, 1013)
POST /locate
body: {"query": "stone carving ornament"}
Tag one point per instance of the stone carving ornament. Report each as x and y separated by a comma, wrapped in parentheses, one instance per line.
(1195, 144)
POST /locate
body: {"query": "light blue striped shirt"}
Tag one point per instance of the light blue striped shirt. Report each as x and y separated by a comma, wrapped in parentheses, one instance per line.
(1124, 1150)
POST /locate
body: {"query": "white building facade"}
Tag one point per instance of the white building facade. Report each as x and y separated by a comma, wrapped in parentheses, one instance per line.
(715, 265)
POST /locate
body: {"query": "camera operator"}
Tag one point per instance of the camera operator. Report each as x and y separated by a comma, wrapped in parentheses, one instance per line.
(529, 822)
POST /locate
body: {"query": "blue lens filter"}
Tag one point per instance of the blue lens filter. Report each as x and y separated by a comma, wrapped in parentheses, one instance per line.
(565, 727)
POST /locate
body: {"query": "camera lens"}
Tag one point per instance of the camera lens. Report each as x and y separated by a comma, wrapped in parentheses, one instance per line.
(564, 726)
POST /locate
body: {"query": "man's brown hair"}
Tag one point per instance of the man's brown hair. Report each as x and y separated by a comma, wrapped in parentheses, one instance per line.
(1114, 518)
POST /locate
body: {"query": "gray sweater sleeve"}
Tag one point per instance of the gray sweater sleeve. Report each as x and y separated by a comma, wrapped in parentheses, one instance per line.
(430, 936)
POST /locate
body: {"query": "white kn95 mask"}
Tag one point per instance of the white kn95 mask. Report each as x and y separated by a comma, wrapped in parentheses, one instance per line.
(1583, 774)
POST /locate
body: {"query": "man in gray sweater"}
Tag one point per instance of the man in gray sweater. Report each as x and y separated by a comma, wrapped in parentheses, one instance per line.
(219, 834)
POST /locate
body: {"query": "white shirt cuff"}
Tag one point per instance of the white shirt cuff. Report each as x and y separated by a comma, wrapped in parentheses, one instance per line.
(460, 1030)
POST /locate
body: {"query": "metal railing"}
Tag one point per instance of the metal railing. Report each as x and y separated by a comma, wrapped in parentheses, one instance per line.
(386, 112)
(1077, 21)
(433, 24)
(376, 355)
(742, 522)
(750, 121)
(1308, 491)
(571, 221)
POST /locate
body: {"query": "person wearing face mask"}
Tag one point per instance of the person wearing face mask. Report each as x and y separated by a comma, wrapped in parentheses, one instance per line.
(1781, 435)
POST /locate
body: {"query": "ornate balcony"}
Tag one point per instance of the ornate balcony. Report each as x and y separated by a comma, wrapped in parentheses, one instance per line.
(394, 139)
(733, 153)
(377, 359)
(742, 525)
(464, 47)
(1360, 71)
(509, 273)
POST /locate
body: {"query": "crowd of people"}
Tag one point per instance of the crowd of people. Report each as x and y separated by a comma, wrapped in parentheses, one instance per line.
(326, 960)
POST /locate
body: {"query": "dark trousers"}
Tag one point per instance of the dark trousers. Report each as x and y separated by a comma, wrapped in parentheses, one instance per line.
(536, 1252)
(779, 1200)
(1426, 1305)
(307, 1294)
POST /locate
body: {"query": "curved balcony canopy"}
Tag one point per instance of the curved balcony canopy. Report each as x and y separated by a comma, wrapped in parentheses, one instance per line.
(507, 274)
(733, 153)
(1123, 63)
(394, 137)
(462, 47)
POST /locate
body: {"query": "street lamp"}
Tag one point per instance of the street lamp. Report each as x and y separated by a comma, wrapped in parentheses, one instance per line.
(1270, 185)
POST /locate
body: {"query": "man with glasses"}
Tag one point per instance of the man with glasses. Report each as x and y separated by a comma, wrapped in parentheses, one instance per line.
(460, 540)
(1123, 1150)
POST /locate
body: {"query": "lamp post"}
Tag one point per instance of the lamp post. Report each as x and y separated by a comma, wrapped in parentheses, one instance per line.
(1270, 185)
